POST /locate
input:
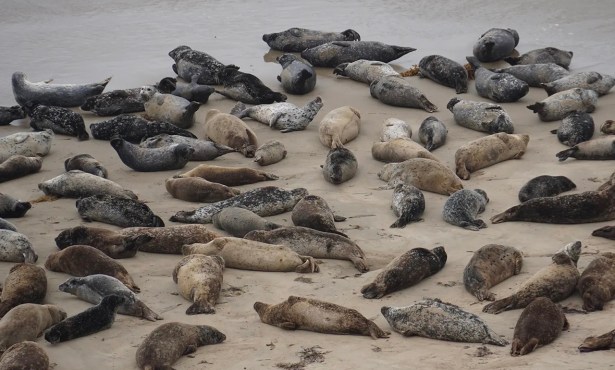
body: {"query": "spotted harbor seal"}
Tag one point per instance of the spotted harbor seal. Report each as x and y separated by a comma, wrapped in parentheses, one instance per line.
(540, 323)
(24, 356)
(600, 83)
(79, 184)
(117, 211)
(204, 150)
(394, 128)
(480, 116)
(86, 163)
(601, 342)
(495, 44)
(298, 39)
(462, 208)
(425, 174)
(25, 283)
(313, 211)
(602, 148)
(10, 114)
(535, 74)
(398, 91)
(335, 53)
(499, 87)
(444, 71)
(5, 225)
(432, 318)
(432, 133)
(489, 150)
(168, 108)
(339, 126)
(597, 282)
(265, 201)
(246, 87)
(561, 104)
(298, 313)
(199, 279)
(169, 239)
(27, 321)
(269, 153)
(544, 55)
(229, 130)
(489, 266)
(30, 94)
(11, 207)
(191, 91)
(169, 342)
(408, 205)
(285, 117)
(556, 281)
(134, 128)
(405, 270)
(340, 165)
(366, 71)
(196, 189)
(575, 128)
(190, 62)
(173, 157)
(115, 102)
(229, 176)
(110, 242)
(545, 186)
(240, 221)
(59, 120)
(16, 247)
(399, 150)
(298, 76)
(29, 144)
(94, 288)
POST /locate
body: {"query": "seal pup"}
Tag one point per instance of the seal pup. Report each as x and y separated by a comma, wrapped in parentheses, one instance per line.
(598, 82)
(604, 341)
(59, 120)
(313, 211)
(608, 127)
(11, 207)
(190, 62)
(5, 225)
(134, 128)
(561, 104)
(339, 126)
(556, 281)
(397, 91)
(204, 150)
(169, 239)
(169, 342)
(172, 157)
(499, 87)
(229, 176)
(335, 53)
(246, 87)
(545, 186)
(24, 356)
(285, 117)
(432, 318)
(196, 189)
(110, 242)
(540, 323)
(239, 221)
(28, 321)
(432, 133)
(399, 150)
(597, 282)
(115, 102)
(265, 201)
(495, 44)
(489, 150)
(199, 279)
(30, 94)
(90, 321)
(16, 247)
(298, 76)
(444, 71)
(29, 144)
(405, 270)
(408, 204)
(93, 288)
(535, 74)
(425, 174)
(122, 212)
(602, 148)
(83, 260)
(168, 108)
(366, 71)
(79, 184)
(489, 266)
(340, 165)
(299, 313)
(25, 283)
(462, 208)
(269, 153)
(480, 116)
(10, 114)
(86, 163)
(394, 128)
(191, 91)
(545, 55)
(575, 128)
(298, 39)
(231, 131)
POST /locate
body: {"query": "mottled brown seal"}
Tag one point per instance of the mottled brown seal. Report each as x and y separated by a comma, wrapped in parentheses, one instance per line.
(110, 242)
(169, 239)
(17, 166)
(26, 283)
(229, 176)
(231, 131)
(197, 189)
(25, 356)
(540, 323)
(489, 266)
(597, 282)
(199, 279)
(339, 126)
(27, 321)
(313, 211)
(425, 174)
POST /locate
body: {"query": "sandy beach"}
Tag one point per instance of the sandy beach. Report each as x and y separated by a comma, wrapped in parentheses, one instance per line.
(79, 43)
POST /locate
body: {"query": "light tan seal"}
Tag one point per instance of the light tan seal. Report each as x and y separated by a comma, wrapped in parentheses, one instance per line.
(540, 323)
(489, 266)
(169, 239)
(197, 189)
(229, 176)
(423, 173)
(26, 283)
(597, 283)
(489, 150)
(399, 150)
(28, 321)
(226, 129)
(17, 166)
(24, 356)
(271, 152)
(339, 126)
(199, 279)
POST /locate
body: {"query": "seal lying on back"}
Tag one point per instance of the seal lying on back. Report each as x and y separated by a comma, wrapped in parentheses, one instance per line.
(444, 71)
(600, 83)
(191, 91)
(535, 74)
(196, 189)
(575, 128)
(559, 105)
(394, 128)
(117, 211)
(408, 204)
(229, 176)
(335, 53)
(597, 282)
(425, 174)
(604, 341)
(59, 120)
(239, 221)
(168, 108)
(10, 114)
(285, 117)
(366, 71)
(298, 313)
(246, 87)
(545, 186)
(399, 92)
(602, 148)
(489, 150)
(463, 206)
(540, 323)
(25, 283)
(432, 318)
(204, 150)
(339, 126)
(29, 144)
(15, 247)
(340, 165)
(546, 55)
(189, 62)
(173, 157)
(489, 266)
(313, 211)
(199, 279)
(11, 207)
(297, 76)
(85, 163)
(134, 128)
(495, 44)
(298, 39)
(499, 87)
(480, 116)
(227, 129)
(79, 184)
(115, 102)
(432, 133)
(17, 166)
(25, 356)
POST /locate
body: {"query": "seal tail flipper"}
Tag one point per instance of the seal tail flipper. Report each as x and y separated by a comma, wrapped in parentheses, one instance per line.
(402, 50)
(499, 306)
(548, 87)
(308, 266)
(531, 345)
(338, 218)
(239, 110)
(147, 312)
(375, 332)
(360, 264)
(403, 221)
(565, 154)
(553, 131)
(537, 107)
(427, 105)
(158, 222)
(200, 307)
(371, 291)
(270, 176)
(340, 70)
(493, 338)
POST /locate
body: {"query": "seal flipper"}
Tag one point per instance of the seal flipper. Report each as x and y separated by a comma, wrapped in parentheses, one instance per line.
(565, 154)
(274, 119)
(200, 307)
(513, 61)
(403, 221)
(375, 332)
(309, 265)
(340, 70)
(501, 305)
(531, 345)
(239, 110)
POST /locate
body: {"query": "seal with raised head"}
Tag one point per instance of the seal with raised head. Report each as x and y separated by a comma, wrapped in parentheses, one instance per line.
(59, 120)
(480, 116)
(265, 201)
(29, 94)
(298, 39)
(545, 186)
(229, 130)
(239, 221)
(313, 211)
(432, 318)
(339, 126)
(575, 128)
(499, 87)
(134, 128)
(169, 239)
(604, 341)
(24, 356)
(16, 247)
(229, 176)
(190, 62)
(561, 104)
(399, 92)
(540, 323)
(298, 76)
(432, 133)
(556, 281)
(191, 91)
(199, 279)
(90, 321)
(394, 128)
(79, 184)
(93, 288)
(122, 212)
(595, 81)
(535, 74)
(545, 55)
(10, 114)
(399, 150)
(246, 87)
(366, 71)
(299, 313)
(85, 163)
(204, 150)
(335, 53)
(495, 44)
(172, 157)
(271, 152)
(408, 205)
(25, 283)
(425, 174)
(168, 108)
(110, 242)
(5, 225)
(11, 207)
(285, 117)
(340, 165)
(487, 151)
(196, 189)
(444, 71)
(115, 102)
(27, 321)
(405, 270)
(169, 342)
(29, 144)
(602, 148)
(462, 208)
(597, 282)
(489, 266)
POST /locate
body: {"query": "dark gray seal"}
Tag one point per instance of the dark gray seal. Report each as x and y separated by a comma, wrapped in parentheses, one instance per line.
(115, 102)
(85, 163)
(5, 225)
(17, 166)
(335, 53)
(313, 211)
(366, 71)
(340, 166)
(444, 71)
(405, 271)
(239, 221)
(11, 207)
(575, 128)
(480, 116)
(16, 247)
(191, 91)
(408, 204)
(298, 76)
(285, 117)
(79, 184)
(59, 120)
(25, 283)
(559, 105)
(462, 207)
(540, 323)
(495, 44)
(134, 128)
(189, 62)
(399, 92)
(10, 114)
(107, 241)
(598, 82)
(246, 87)
(265, 201)
(295, 39)
(173, 157)
(602, 148)
(489, 266)
(29, 94)
(545, 55)
(597, 282)
(118, 211)
(535, 74)
(432, 133)
(499, 87)
(204, 150)
(545, 186)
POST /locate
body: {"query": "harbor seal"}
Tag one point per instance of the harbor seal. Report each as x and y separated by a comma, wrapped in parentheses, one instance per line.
(83, 260)
(608, 127)
(296, 39)
(405, 270)
(298, 313)
(190, 62)
(556, 281)
(339, 126)
(229, 176)
(605, 232)
(27, 321)
(575, 128)
(597, 282)
(94, 288)
(79, 184)
(499, 87)
(463, 206)
(495, 44)
(240, 221)
(86, 163)
(246, 87)
(196, 189)
(489, 150)
(168, 108)
(16, 247)
(561, 104)
(340, 165)
(25, 283)
(229, 130)
(425, 174)
(545, 55)
(366, 71)
(59, 120)
(545, 186)
(199, 279)
(602, 148)
(10, 114)
(191, 91)
(335, 53)
(115, 102)
(432, 318)
(90, 321)
(408, 205)
(394, 128)
(444, 71)
(480, 116)
(535, 74)
(5, 225)
(399, 150)
(298, 76)
(173, 157)
(432, 133)
(399, 92)
(269, 153)
(169, 239)
(204, 150)
(313, 211)
(600, 83)
(29, 144)
(285, 117)
(24, 356)
(110, 242)
(169, 342)
(540, 323)
(11, 207)
(489, 266)
(122, 212)
(134, 128)
(601, 342)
